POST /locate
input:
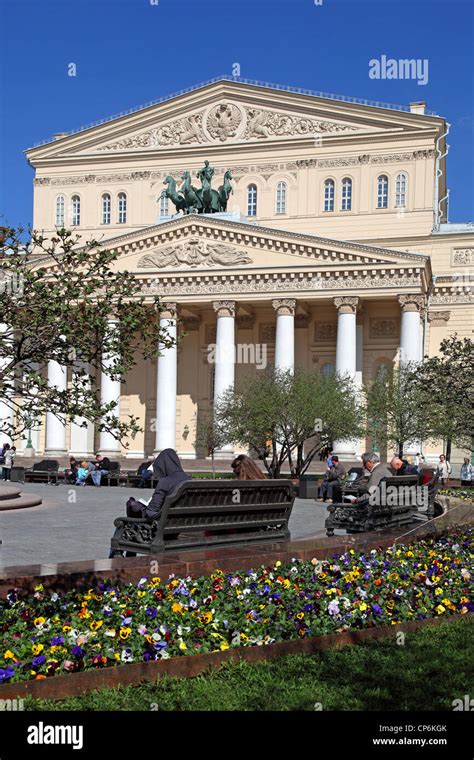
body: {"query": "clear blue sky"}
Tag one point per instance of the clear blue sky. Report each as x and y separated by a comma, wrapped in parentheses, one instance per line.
(129, 52)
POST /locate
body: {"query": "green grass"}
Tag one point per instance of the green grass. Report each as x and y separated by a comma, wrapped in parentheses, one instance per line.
(433, 667)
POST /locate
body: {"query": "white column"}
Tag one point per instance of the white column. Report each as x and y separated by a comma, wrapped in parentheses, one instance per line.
(410, 331)
(358, 379)
(166, 388)
(285, 333)
(411, 343)
(109, 391)
(6, 411)
(346, 359)
(56, 425)
(224, 376)
(82, 438)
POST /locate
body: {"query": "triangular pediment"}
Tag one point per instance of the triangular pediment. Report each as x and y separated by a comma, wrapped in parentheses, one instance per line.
(210, 243)
(226, 113)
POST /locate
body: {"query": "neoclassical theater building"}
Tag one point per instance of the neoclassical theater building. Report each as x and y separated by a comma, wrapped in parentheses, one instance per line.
(334, 252)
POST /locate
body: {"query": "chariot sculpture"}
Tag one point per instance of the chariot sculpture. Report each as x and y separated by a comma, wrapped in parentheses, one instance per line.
(203, 200)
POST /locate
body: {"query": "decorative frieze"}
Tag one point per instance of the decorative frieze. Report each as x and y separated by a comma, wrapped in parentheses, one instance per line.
(384, 328)
(191, 324)
(195, 253)
(325, 332)
(281, 283)
(453, 296)
(245, 322)
(437, 318)
(462, 256)
(267, 333)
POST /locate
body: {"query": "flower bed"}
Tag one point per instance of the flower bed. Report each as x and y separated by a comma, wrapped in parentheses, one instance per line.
(460, 492)
(47, 634)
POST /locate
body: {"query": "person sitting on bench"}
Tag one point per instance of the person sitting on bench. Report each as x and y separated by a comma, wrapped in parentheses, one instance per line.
(333, 477)
(167, 468)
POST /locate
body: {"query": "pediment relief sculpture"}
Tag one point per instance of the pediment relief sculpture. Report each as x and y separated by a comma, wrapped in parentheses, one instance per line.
(195, 253)
(226, 121)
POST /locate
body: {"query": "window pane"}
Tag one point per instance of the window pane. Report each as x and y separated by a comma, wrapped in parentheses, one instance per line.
(400, 191)
(106, 208)
(252, 200)
(76, 210)
(382, 192)
(122, 208)
(281, 198)
(329, 195)
(60, 211)
(346, 196)
(164, 206)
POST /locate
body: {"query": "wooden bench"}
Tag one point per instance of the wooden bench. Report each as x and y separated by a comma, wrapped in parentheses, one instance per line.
(207, 513)
(393, 504)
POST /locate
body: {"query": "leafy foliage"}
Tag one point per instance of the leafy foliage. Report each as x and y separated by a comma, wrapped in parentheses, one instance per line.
(284, 415)
(68, 303)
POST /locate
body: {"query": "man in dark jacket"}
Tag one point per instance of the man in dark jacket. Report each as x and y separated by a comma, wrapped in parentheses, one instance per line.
(333, 479)
(167, 468)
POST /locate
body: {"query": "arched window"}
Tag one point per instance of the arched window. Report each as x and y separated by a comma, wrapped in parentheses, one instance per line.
(281, 198)
(328, 369)
(164, 209)
(346, 194)
(252, 200)
(329, 195)
(122, 208)
(60, 211)
(106, 208)
(382, 191)
(76, 210)
(400, 191)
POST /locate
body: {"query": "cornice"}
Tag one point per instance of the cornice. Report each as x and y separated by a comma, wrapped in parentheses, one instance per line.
(239, 171)
(279, 240)
(217, 151)
(311, 284)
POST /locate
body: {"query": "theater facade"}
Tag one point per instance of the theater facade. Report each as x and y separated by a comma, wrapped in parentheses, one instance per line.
(333, 251)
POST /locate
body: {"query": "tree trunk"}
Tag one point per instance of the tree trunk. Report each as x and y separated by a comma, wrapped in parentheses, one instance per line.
(448, 449)
(213, 467)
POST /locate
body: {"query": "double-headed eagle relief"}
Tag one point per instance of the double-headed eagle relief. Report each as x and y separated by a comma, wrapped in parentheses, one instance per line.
(203, 200)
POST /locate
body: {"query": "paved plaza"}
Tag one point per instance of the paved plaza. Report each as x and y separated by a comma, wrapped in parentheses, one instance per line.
(74, 524)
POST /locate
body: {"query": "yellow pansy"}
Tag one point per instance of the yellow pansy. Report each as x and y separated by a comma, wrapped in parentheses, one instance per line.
(224, 646)
(182, 646)
(39, 620)
(362, 606)
(9, 655)
(96, 624)
(440, 609)
(125, 633)
(67, 628)
(37, 648)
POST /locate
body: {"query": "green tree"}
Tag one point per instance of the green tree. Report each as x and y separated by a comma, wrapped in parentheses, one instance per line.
(210, 437)
(57, 300)
(395, 409)
(283, 415)
(446, 383)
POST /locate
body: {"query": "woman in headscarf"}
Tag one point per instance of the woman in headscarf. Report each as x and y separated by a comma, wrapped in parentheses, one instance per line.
(167, 468)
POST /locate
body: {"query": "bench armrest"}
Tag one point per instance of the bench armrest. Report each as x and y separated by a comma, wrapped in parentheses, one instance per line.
(119, 522)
